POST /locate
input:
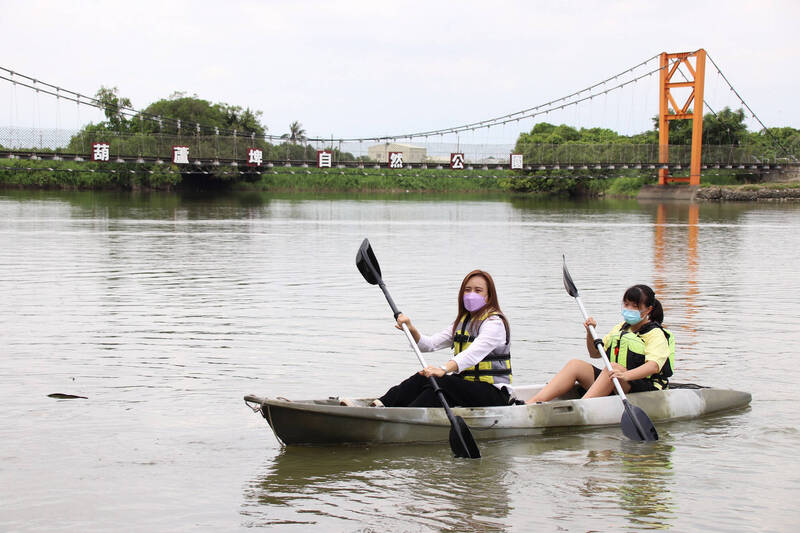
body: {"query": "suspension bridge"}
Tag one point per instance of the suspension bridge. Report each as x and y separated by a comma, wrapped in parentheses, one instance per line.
(676, 82)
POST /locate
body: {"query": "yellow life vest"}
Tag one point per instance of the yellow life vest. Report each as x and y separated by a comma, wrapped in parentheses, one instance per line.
(496, 366)
(627, 349)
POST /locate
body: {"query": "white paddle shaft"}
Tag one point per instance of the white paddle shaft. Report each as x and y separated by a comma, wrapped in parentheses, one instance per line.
(599, 349)
(413, 344)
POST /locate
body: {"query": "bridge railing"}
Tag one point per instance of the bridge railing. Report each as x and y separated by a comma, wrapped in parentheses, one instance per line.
(234, 148)
(621, 153)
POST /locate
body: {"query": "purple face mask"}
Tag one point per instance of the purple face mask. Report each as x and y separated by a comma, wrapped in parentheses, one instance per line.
(473, 301)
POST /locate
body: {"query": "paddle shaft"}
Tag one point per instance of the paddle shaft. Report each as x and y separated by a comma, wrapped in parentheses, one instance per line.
(628, 408)
(598, 343)
(636, 425)
(409, 336)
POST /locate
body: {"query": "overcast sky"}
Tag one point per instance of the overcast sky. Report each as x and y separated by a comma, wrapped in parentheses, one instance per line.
(368, 68)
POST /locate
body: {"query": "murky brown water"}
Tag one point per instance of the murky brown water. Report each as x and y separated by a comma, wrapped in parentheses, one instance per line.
(164, 310)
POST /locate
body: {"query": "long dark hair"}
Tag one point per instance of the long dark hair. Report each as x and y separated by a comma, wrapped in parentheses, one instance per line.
(492, 304)
(644, 295)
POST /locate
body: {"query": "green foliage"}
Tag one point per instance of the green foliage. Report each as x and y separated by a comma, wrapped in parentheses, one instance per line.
(533, 183)
(190, 110)
(626, 185)
(545, 133)
(112, 106)
(776, 143)
(358, 179)
(725, 141)
(723, 177)
(565, 183)
(680, 131)
(779, 186)
(727, 127)
(87, 175)
(296, 133)
(145, 136)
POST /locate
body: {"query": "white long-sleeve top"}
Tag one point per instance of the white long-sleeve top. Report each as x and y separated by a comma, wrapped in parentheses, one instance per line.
(491, 335)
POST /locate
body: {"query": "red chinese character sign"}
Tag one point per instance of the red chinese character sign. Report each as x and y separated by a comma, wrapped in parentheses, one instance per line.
(395, 159)
(180, 155)
(324, 159)
(255, 156)
(101, 151)
(457, 161)
(516, 161)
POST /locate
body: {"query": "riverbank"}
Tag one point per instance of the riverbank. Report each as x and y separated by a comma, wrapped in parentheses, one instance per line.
(87, 175)
(750, 192)
(72, 175)
(285, 179)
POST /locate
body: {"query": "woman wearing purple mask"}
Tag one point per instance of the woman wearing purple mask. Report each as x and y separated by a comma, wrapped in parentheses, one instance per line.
(479, 373)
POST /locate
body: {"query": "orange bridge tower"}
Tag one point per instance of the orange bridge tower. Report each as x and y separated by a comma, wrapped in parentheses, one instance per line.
(668, 110)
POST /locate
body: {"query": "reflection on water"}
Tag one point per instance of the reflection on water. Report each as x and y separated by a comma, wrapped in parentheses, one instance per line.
(643, 491)
(164, 310)
(421, 487)
(389, 487)
(664, 282)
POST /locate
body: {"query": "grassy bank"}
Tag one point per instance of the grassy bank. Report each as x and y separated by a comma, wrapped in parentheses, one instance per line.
(86, 175)
(363, 179)
(130, 176)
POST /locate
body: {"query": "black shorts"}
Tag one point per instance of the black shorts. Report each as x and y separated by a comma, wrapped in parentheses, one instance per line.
(637, 385)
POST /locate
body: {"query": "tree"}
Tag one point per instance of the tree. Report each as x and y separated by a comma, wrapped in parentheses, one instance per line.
(153, 131)
(191, 110)
(112, 106)
(296, 133)
(727, 127)
(680, 131)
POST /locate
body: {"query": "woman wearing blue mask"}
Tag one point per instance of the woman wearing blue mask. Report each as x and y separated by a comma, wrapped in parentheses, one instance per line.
(478, 373)
(641, 353)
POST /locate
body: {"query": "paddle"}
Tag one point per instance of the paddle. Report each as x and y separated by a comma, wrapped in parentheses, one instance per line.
(461, 441)
(636, 425)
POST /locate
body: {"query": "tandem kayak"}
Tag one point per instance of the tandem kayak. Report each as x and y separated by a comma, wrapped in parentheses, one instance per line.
(325, 422)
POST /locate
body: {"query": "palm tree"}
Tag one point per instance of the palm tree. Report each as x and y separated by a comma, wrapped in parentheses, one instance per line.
(296, 133)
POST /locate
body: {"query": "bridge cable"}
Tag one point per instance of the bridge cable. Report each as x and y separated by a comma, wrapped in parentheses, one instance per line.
(90, 101)
(500, 120)
(752, 113)
(486, 124)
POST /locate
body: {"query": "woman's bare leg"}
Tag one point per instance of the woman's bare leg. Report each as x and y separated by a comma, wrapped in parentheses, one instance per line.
(603, 386)
(575, 370)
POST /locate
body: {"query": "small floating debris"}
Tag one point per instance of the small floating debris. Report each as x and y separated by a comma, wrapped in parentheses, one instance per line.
(62, 396)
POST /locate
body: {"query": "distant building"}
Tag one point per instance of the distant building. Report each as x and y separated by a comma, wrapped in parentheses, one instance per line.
(411, 154)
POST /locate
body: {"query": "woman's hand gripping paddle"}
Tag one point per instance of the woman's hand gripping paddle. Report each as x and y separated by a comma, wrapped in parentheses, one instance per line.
(636, 425)
(461, 441)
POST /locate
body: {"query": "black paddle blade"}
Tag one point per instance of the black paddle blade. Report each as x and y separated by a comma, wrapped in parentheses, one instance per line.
(461, 441)
(367, 263)
(636, 425)
(568, 283)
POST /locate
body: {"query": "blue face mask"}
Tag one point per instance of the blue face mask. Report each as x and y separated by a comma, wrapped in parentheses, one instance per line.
(631, 316)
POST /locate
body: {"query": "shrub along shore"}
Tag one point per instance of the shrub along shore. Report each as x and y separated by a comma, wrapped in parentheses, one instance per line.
(70, 175)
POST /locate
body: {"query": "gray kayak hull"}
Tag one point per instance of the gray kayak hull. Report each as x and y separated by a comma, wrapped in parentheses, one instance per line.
(325, 422)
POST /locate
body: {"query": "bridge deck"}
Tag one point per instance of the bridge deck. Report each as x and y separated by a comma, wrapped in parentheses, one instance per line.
(241, 164)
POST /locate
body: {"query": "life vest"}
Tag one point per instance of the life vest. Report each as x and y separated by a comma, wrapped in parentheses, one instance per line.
(627, 349)
(496, 366)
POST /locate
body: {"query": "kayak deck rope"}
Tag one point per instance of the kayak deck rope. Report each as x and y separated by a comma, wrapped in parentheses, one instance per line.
(686, 386)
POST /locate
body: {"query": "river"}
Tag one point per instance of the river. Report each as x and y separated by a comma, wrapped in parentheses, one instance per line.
(163, 310)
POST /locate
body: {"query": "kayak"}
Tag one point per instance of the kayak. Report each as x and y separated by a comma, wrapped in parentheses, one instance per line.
(326, 422)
